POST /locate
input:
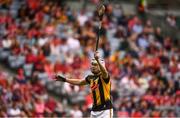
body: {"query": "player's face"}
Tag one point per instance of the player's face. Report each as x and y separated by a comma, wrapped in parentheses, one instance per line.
(95, 68)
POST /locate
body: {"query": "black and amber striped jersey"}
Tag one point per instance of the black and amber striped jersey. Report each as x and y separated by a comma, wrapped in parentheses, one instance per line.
(101, 92)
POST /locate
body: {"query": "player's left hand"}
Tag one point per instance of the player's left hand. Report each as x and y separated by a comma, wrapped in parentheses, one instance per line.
(96, 55)
(59, 77)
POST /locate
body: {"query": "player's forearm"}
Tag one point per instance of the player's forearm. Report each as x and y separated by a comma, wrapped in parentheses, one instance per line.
(74, 81)
(102, 69)
(61, 78)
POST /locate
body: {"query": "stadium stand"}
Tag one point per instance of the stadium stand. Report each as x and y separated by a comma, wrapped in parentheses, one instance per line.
(39, 38)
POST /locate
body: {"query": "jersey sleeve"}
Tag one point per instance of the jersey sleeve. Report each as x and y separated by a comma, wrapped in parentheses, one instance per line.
(87, 79)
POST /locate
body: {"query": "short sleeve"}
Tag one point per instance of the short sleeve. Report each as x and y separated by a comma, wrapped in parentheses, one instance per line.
(87, 79)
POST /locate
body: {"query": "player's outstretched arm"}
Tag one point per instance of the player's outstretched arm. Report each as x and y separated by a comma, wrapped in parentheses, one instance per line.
(79, 82)
(102, 68)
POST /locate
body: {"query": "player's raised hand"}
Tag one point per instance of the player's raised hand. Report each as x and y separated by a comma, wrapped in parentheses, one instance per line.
(59, 77)
(96, 55)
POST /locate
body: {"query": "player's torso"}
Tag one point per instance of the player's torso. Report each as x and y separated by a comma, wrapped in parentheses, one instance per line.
(100, 89)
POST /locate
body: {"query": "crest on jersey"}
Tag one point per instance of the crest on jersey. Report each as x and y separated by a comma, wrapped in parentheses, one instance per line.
(94, 84)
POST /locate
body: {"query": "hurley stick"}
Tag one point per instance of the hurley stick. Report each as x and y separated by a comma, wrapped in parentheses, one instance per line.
(101, 11)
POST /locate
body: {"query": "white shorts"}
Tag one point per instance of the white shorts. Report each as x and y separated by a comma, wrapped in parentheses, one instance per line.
(102, 114)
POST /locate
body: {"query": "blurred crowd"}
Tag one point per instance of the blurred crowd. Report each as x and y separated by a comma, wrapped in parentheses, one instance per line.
(39, 38)
(21, 98)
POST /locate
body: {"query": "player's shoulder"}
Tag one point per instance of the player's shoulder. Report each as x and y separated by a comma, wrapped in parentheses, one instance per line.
(89, 76)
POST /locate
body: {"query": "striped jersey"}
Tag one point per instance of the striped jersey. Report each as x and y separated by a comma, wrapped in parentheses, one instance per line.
(101, 92)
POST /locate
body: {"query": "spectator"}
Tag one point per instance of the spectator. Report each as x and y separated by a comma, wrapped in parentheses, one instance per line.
(171, 20)
(14, 111)
(76, 112)
(39, 107)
